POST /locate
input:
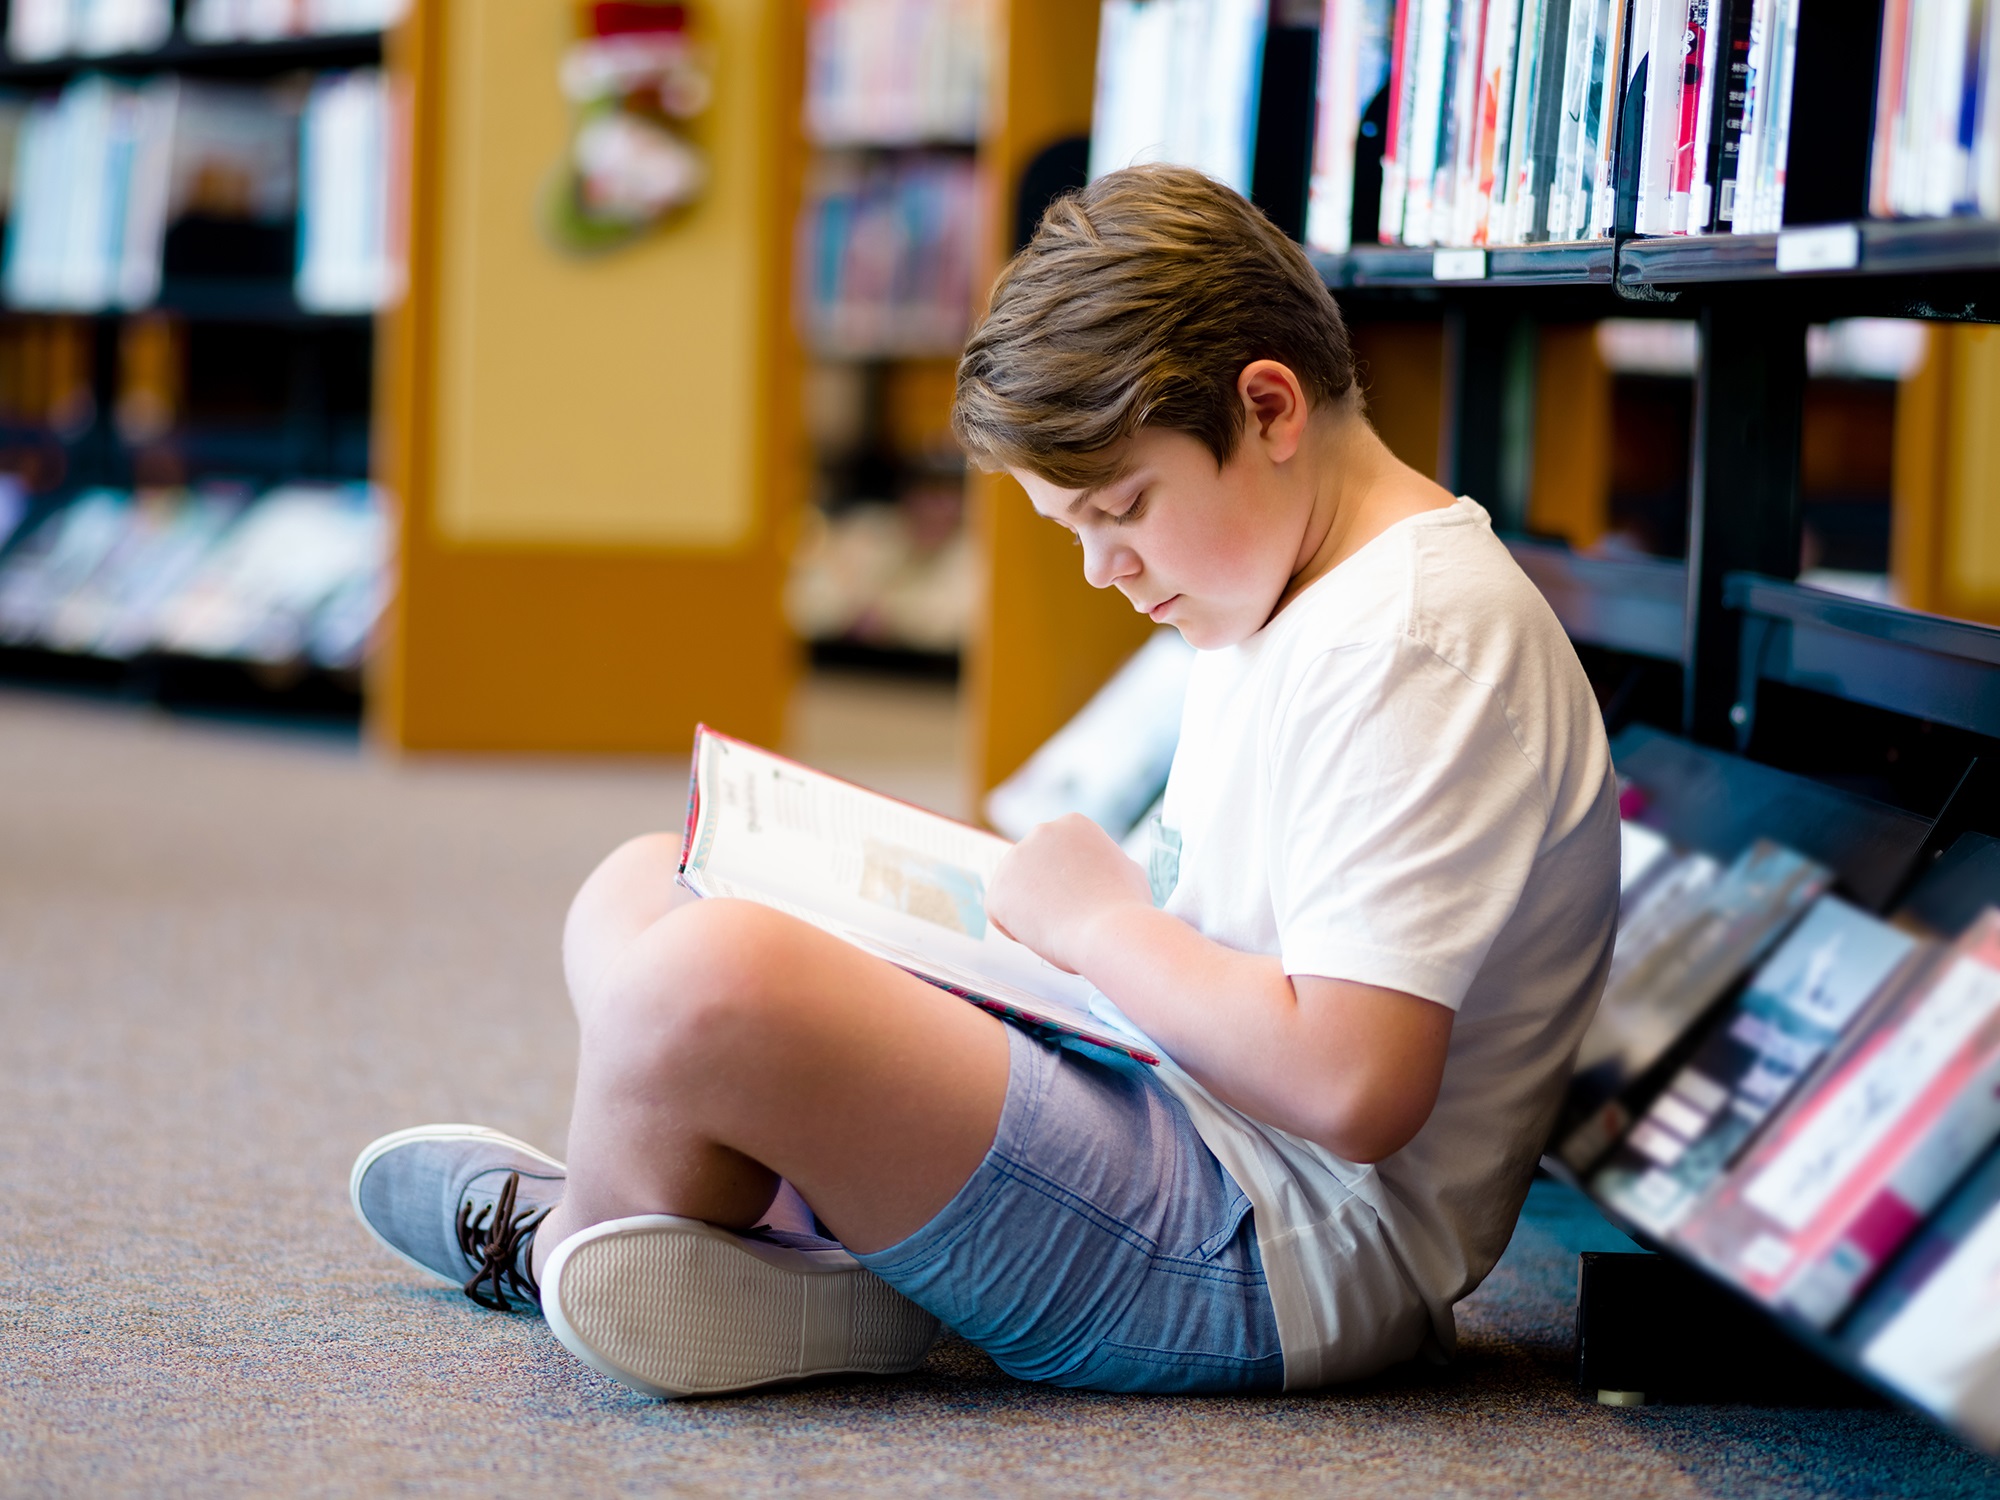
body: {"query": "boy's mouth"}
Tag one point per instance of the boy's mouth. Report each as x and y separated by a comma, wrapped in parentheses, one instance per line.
(1159, 611)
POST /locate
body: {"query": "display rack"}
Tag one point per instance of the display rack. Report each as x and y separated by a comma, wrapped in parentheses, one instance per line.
(1730, 619)
(231, 286)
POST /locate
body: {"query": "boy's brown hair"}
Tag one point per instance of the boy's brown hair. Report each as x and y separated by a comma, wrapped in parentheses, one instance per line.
(1137, 304)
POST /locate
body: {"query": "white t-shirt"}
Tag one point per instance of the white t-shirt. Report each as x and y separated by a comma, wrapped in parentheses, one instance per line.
(1402, 780)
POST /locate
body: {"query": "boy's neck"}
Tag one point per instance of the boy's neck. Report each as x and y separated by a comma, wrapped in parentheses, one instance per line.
(1359, 489)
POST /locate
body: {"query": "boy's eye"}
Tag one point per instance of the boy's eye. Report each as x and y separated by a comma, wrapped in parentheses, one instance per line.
(1136, 509)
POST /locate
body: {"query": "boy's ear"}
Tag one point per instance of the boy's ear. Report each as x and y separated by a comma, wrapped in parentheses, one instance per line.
(1274, 406)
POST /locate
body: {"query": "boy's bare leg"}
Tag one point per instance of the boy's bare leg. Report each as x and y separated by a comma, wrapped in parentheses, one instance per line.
(726, 1045)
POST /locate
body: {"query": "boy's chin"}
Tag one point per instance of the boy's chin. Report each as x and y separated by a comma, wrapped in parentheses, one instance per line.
(1213, 635)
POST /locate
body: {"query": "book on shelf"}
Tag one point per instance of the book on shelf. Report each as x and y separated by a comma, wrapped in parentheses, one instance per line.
(103, 170)
(1695, 932)
(349, 224)
(1936, 148)
(1931, 1328)
(1797, 1005)
(38, 30)
(1840, 1179)
(1498, 122)
(893, 880)
(1353, 71)
(885, 256)
(42, 30)
(1178, 81)
(298, 575)
(1513, 122)
(275, 20)
(896, 72)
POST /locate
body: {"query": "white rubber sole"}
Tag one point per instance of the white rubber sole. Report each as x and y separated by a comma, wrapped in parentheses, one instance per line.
(674, 1307)
(375, 1150)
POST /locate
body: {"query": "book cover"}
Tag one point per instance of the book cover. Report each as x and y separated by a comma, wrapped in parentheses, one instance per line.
(1843, 1177)
(1796, 1007)
(1931, 1327)
(1699, 930)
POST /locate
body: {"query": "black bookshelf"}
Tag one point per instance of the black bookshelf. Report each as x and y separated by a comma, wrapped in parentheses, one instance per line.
(286, 391)
(206, 59)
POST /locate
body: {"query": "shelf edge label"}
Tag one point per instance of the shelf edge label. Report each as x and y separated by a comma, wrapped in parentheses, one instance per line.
(1824, 247)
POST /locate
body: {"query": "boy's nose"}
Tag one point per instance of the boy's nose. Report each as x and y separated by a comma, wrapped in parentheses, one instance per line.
(1105, 562)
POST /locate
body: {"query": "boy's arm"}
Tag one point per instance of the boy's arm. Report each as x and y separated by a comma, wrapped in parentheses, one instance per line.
(1353, 1067)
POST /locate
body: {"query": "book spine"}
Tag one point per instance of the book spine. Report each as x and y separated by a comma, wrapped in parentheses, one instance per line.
(1937, 144)
(1889, 87)
(1694, 62)
(1756, 106)
(1660, 138)
(1964, 189)
(1512, 209)
(1433, 52)
(1330, 191)
(1560, 219)
(1777, 139)
(1401, 113)
(1389, 226)
(1986, 160)
(1604, 165)
(1496, 114)
(1548, 114)
(1701, 191)
(1452, 195)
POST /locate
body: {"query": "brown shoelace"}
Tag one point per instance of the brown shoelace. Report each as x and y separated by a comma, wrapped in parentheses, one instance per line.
(494, 1238)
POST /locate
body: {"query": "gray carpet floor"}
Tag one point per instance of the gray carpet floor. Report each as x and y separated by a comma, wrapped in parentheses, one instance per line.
(229, 957)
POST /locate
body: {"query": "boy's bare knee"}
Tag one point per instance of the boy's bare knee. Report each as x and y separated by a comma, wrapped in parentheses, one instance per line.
(697, 989)
(629, 890)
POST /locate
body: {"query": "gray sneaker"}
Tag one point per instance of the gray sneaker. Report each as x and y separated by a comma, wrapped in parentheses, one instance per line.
(461, 1202)
(675, 1307)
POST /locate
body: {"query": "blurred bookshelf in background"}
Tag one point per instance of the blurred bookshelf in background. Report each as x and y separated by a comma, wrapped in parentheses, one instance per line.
(888, 236)
(202, 211)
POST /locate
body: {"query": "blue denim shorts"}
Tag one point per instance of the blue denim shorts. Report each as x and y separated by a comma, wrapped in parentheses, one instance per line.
(1100, 1244)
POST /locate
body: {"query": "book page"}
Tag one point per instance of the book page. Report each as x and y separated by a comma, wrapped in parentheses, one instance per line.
(905, 884)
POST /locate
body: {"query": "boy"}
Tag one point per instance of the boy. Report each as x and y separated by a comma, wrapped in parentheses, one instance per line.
(1388, 860)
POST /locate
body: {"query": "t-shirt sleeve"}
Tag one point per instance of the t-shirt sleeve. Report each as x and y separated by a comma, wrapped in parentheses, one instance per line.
(1406, 819)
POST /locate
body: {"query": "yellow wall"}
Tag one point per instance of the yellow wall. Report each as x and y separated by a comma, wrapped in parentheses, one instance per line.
(610, 398)
(597, 457)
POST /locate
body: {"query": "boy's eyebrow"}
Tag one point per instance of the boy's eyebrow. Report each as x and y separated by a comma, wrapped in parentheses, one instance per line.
(1084, 497)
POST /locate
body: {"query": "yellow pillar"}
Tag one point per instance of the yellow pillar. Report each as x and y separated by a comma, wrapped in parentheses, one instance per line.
(596, 457)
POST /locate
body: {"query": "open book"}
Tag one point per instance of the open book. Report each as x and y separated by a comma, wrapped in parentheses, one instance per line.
(903, 884)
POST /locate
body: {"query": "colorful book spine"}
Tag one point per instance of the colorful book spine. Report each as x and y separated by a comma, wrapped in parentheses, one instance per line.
(1402, 103)
(1687, 149)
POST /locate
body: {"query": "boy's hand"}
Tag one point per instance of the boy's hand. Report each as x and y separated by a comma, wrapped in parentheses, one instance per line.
(1052, 885)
